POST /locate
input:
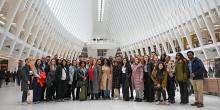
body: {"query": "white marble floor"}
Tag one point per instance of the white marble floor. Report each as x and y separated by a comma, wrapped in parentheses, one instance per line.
(10, 100)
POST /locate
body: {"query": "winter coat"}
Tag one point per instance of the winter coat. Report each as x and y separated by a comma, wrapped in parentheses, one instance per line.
(137, 77)
(198, 69)
(59, 73)
(163, 81)
(25, 77)
(182, 71)
(116, 76)
(106, 77)
(96, 80)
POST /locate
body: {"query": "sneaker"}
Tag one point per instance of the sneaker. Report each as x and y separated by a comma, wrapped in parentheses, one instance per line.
(158, 102)
(166, 103)
(24, 103)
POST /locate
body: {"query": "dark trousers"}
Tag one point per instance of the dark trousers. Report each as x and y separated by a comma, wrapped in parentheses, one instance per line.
(93, 95)
(24, 96)
(61, 89)
(18, 80)
(1, 82)
(148, 88)
(184, 93)
(42, 93)
(171, 88)
(36, 91)
(75, 90)
(130, 87)
(69, 91)
(50, 92)
(159, 91)
(125, 87)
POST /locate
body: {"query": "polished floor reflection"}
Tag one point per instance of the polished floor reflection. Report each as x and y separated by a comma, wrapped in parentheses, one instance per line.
(10, 100)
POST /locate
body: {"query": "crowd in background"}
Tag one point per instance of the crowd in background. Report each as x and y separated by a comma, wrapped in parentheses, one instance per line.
(103, 79)
(7, 77)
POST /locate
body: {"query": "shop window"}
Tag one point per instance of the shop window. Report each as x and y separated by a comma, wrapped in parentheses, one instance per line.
(195, 41)
(217, 34)
(102, 52)
(185, 43)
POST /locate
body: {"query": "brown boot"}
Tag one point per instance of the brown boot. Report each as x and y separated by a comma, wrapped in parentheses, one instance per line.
(200, 105)
(194, 104)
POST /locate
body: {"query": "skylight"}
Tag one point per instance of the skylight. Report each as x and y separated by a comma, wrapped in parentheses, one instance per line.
(101, 4)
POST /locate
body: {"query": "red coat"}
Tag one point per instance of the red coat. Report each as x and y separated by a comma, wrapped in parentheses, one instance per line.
(137, 77)
(42, 79)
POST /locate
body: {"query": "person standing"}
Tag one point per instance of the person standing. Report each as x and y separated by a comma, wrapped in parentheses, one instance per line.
(197, 75)
(138, 79)
(83, 77)
(170, 79)
(126, 76)
(94, 79)
(25, 80)
(36, 86)
(50, 80)
(69, 84)
(106, 80)
(116, 71)
(182, 77)
(62, 77)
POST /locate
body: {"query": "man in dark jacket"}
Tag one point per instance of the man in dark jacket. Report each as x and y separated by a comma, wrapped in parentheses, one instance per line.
(25, 80)
(197, 75)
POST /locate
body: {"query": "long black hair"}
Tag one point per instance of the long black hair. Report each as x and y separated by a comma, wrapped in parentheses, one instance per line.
(181, 56)
(62, 63)
(108, 62)
(39, 66)
(157, 66)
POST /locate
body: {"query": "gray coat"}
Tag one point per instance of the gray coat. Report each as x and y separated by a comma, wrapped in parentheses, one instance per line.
(25, 78)
(96, 80)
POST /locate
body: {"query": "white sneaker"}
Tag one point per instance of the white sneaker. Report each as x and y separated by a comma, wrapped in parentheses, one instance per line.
(158, 102)
(166, 103)
(24, 103)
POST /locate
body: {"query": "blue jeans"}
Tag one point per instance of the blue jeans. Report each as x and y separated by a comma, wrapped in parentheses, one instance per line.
(36, 91)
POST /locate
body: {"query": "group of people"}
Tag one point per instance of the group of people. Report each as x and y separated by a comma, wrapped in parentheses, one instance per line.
(95, 79)
(6, 76)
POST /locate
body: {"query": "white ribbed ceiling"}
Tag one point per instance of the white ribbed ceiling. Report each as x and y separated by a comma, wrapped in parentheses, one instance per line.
(75, 15)
(123, 20)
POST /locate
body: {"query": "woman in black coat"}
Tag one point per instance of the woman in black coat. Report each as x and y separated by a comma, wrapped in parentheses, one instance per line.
(116, 79)
(50, 80)
(126, 72)
(62, 78)
(148, 82)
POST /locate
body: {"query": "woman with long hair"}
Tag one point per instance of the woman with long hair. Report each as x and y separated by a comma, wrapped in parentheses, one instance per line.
(137, 79)
(62, 76)
(182, 77)
(148, 82)
(159, 76)
(116, 71)
(50, 80)
(126, 76)
(83, 77)
(94, 79)
(106, 81)
(38, 69)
